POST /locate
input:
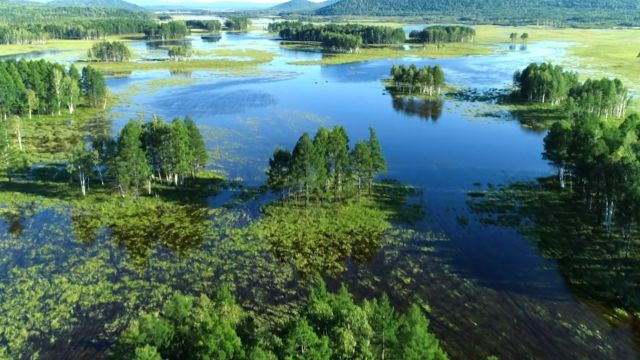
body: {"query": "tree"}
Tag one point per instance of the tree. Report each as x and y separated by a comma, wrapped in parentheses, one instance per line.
(70, 93)
(302, 165)
(199, 153)
(180, 152)
(339, 150)
(94, 87)
(32, 101)
(362, 163)
(415, 341)
(378, 162)
(384, 325)
(524, 37)
(513, 36)
(82, 163)
(302, 343)
(556, 144)
(279, 173)
(56, 86)
(132, 169)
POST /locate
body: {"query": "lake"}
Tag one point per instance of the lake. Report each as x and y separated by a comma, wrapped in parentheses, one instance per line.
(489, 290)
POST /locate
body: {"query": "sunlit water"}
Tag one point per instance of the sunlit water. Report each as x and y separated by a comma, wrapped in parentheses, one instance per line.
(498, 296)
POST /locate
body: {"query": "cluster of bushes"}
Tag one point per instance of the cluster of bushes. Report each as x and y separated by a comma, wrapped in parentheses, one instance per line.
(338, 37)
(409, 79)
(28, 87)
(443, 34)
(331, 326)
(115, 51)
(324, 168)
(547, 83)
(167, 31)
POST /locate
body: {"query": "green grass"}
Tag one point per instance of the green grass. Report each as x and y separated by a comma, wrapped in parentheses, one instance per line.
(377, 53)
(255, 58)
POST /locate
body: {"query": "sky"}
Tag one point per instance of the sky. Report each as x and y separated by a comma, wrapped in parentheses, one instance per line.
(178, 2)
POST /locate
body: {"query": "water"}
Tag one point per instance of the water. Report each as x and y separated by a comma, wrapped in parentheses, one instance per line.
(489, 290)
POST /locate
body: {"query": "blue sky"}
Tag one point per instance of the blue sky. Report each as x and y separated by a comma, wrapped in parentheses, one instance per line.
(178, 2)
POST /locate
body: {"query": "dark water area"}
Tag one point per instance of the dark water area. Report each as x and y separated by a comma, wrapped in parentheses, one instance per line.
(490, 291)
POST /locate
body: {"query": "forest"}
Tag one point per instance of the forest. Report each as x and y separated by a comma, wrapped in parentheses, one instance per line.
(41, 87)
(547, 83)
(299, 31)
(427, 80)
(324, 168)
(339, 38)
(512, 12)
(443, 34)
(329, 326)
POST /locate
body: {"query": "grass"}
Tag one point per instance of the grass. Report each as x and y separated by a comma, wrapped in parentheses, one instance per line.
(595, 51)
(58, 45)
(377, 53)
(255, 58)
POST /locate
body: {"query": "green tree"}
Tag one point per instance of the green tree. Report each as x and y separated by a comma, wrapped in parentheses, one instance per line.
(82, 163)
(132, 168)
(362, 163)
(302, 343)
(378, 162)
(415, 341)
(70, 93)
(302, 165)
(384, 325)
(32, 101)
(199, 153)
(279, 173)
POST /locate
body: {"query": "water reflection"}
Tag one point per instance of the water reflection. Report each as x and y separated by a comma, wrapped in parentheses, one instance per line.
(424, 108)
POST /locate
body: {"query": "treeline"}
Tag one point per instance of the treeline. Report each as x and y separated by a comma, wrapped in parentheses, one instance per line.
(141, 155)
(599, 161)
(115, 51)
(167, 31)
(352, 36)
(330, 326)
(41, 87)
(547, 83)
(443, 34)
(76, 30)
(208, 25)
(409, 79)
(503, 12)
(237, 24)
(324, 168)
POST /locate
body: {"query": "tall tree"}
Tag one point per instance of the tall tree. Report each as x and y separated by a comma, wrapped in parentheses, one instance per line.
(279, 173)
(416, 343)
(132, 169)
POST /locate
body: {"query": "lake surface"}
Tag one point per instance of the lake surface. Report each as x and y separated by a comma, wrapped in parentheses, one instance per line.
(489, 290)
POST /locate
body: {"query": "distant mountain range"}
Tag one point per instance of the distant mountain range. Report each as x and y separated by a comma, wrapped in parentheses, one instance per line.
(295, 6)
(471, 7)
(102, 4)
